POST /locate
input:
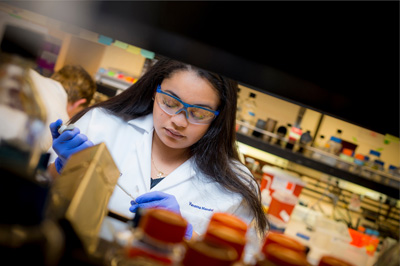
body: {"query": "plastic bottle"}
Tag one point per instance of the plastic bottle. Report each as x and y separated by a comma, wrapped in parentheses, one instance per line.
(239, 108)
(200, 253)
(275, 254)
(248, 114)
(281, 132)
(328, 260)
(305, 140)
(347, 159)
(294, 136)
(230, 221)
(157, 240)
(372, 164)
(359, 160)
(373, 156)
(334, 145)
(395, 172)
(285, 241)
(220, 234)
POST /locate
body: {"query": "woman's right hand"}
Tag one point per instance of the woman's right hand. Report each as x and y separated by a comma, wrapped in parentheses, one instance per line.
(66, 144)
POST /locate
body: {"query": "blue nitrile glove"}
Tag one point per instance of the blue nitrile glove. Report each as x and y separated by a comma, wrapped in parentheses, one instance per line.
(66, 144)
(158, 199)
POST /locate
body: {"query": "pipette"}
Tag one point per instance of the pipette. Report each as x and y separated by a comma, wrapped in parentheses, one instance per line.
(63, 128)
(126, 192)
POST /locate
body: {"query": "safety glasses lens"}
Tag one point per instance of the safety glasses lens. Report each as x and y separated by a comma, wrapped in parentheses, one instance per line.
(172, 106)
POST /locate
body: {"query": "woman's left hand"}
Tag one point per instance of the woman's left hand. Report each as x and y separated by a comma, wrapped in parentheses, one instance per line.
(158, 199)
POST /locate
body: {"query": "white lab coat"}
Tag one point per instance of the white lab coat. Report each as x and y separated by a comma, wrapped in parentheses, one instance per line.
(55, 100)
(130, 146)
(13, 122)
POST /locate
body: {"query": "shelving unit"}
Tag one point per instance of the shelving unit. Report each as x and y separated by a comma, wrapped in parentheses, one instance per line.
(381, 214)
(317, 165)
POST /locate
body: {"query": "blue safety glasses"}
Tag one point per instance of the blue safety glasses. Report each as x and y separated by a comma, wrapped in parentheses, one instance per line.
(194, 114)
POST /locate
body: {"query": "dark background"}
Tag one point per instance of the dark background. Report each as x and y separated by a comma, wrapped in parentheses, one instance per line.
(340, 58)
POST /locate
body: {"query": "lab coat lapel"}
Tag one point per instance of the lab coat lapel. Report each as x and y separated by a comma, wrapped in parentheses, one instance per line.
(179, 175)
(143, 154)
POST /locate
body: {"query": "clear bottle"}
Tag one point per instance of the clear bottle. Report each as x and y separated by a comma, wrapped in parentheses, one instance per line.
(305, 140)
(347, 159)
(239, 108)
(334, 145)
(359, 161)
(395, 172)
(248, 114)
(373, 156)
(281, 132)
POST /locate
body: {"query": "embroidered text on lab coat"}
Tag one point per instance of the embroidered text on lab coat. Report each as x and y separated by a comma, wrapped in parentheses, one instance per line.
(200, 208)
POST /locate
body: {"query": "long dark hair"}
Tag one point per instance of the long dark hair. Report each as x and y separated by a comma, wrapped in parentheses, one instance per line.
(214, 152)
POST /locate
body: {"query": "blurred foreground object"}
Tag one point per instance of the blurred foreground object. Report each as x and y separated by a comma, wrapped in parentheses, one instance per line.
(25, 185)
(80, 195)
(22, 116)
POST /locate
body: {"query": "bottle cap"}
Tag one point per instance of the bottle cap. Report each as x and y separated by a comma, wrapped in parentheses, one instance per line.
(230, 221)
(392, 167)
(335, 139)
(379, 162)
(361, 229)
(200, 253)
(283, 256)
(283, 240)
(347, 152)
(332, 261)
(360, 157)
(220, 234)
(375, 153)
(163, 225)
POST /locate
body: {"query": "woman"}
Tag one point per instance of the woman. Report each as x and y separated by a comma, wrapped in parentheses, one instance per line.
(172, 136)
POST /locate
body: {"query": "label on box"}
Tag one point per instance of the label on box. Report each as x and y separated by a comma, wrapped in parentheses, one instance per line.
(284, 215)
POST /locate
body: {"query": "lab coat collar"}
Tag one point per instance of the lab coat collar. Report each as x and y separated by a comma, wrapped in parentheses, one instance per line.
(179, 175)
(144, 148)
(144, 122)
(184, 172)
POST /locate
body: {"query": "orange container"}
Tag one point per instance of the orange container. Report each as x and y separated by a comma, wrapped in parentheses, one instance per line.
(230, 221)
(282, 256)
(362, 240)
(282, 205)
(223, 235)
(285, 241)
(332, 261)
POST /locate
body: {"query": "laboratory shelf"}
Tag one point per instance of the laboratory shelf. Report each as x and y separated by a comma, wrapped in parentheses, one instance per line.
(299, 158)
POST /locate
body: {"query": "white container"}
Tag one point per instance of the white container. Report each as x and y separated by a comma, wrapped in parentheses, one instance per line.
(328, 233)
(248, 115)
(278, 179)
